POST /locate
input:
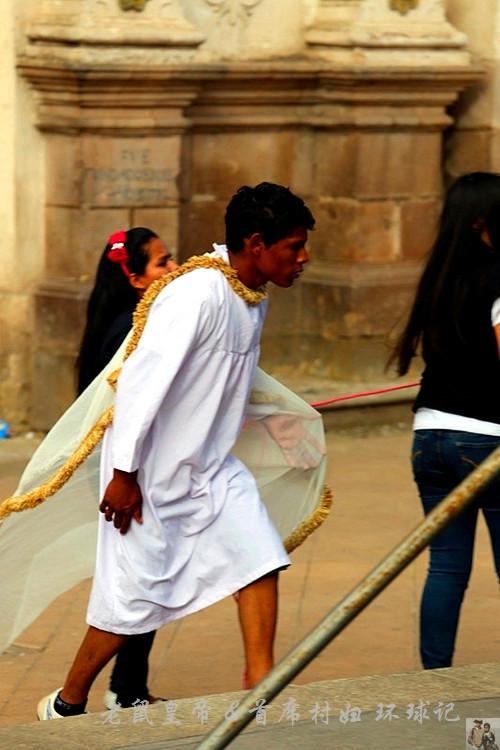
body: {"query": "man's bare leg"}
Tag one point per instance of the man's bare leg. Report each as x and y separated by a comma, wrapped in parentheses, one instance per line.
(258, 609)
(97, 648)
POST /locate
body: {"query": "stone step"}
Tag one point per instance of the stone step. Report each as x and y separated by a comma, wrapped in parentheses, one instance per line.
(422, 710)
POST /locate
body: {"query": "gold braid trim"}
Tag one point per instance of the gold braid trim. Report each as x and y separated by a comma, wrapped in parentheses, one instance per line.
(141, 312)
(37, 496)
(308, 525)
(250, 296)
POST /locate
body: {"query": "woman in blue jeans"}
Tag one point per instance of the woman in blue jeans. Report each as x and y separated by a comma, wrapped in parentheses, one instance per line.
(455, 324)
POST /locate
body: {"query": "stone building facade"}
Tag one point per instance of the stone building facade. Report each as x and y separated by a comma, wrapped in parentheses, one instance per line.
(152, 112)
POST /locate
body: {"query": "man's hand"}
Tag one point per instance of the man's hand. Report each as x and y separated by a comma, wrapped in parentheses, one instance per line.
(122, 500)
(299, 447)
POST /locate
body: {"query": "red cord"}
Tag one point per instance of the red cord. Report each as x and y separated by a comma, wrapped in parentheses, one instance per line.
(349, 396)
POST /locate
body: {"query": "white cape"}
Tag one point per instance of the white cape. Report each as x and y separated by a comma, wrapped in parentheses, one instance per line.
(51, 548)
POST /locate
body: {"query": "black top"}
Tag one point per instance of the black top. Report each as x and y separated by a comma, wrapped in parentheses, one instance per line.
(111, 342)
(114, 338)
(463, 377)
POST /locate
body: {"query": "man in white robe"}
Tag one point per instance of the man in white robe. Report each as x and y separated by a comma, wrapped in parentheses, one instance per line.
(183, 525)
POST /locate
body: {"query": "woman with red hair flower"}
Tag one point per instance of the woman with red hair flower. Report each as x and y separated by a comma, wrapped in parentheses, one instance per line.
(131, 261)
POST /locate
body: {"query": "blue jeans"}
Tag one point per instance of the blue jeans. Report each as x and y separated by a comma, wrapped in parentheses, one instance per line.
(441, 460)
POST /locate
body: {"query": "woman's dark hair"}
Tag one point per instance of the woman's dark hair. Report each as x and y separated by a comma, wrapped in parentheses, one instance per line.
(112, 295)
(471, 205)
(272, 210)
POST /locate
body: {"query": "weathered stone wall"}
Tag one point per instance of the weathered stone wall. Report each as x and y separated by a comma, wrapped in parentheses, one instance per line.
(351, 155)
(155, 117)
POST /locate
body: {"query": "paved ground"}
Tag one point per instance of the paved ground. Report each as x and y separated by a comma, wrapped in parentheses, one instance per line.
(375, 506)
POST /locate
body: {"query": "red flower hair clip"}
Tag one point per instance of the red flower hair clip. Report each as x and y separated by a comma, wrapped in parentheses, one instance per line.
(118, 252)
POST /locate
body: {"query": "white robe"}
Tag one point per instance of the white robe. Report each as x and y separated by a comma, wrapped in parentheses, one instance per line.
(179, 408)
(50, 548)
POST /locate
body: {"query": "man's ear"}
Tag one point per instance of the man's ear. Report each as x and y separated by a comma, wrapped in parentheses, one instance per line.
(255, 243)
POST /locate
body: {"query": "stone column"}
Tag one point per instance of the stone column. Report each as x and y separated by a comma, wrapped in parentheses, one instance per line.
(474, 143)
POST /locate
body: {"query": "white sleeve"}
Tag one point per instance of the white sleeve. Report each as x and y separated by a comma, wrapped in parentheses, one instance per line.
(495, 313)
(176, 323)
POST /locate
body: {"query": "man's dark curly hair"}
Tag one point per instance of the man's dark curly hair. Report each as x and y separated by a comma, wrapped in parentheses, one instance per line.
(271, 210)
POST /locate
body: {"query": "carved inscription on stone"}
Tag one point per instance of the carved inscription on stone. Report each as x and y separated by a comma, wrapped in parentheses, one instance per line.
(135, 178)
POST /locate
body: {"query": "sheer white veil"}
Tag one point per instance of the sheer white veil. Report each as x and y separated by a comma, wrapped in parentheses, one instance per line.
(50, 548)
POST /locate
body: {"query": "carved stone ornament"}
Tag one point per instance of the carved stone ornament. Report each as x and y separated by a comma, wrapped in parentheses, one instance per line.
(234, 10)
(403, 6)
(132, 4)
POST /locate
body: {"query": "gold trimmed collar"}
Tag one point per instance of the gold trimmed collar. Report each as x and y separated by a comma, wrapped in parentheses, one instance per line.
(250, 296)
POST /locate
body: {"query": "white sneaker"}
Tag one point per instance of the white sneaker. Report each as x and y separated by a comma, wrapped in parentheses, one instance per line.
(45, 709)
(110, 700)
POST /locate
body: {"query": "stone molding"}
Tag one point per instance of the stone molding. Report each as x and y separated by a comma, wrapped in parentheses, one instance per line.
(240, 95)
(64, 287)
(315, 96)
(361, 274)
(368, 33)
(94, 23)
(74, 101)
